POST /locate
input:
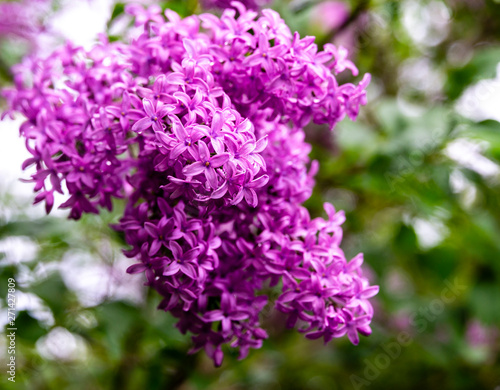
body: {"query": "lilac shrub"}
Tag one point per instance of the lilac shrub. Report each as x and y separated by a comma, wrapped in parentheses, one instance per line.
(198, 124)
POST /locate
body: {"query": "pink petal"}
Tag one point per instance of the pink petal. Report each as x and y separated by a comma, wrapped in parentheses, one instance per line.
(219, 160)
(194, 169)
(203, 151)
(136, 268)
(148, 107)
(176, 249)
(141, 124)
(211, 177)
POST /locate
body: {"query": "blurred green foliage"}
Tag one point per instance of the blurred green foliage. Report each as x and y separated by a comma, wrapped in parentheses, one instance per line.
(427, 222)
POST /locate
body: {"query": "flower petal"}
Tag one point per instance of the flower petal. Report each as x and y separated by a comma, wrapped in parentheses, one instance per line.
(194, 169)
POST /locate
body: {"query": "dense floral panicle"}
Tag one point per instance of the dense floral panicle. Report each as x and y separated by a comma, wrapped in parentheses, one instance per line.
(21, 19)
(249, 4)
(197, 122)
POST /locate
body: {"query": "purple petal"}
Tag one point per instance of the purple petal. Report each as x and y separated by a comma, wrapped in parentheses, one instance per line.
(220, 192)
(148, 107)
(191, 254)
(238, 198)
(172, 269)
(164, 110)
(194, 169)
(226, 325)
(315, 335)
(177, 151)
(217, 122)
(151, 229)
(175, 78)
(219, 160)
(136, 268)
(260, 182)
(239, 315)
(158, 127)
(247, 147)
(253, 60)
(287, 296)
(251, 197)
(203, 151)
(214, 315)
(218, 145)
(355, 263)
(211, 177)
(175, 234)
(176, 250)
(353, 336)
(263, 43)
(188, 269)
(155, 247)
(141, 124)
(369, 292)
(179, 131)
(261, 144)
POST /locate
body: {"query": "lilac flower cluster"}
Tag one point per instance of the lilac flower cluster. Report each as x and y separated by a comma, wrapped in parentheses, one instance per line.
(21, 19)
(250, 4)
(197, 122)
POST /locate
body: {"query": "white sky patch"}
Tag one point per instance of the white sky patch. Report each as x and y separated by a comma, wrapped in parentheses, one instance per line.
(17, 249)
(35, 307)
(419, 73)
(26, 276)
(94, 281)
(481, 101)
(461, 185)
(126, 286)
(467, 153)
(61, 344)
(89, 277)
(82, 21)
(427, 24)
(13, 153)
(430, 232)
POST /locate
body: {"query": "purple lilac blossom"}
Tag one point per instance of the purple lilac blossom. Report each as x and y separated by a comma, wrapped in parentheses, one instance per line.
(222, 4)
(198, 123)
(21, 19)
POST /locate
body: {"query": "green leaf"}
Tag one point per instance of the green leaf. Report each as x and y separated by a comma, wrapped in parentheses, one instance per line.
(54, 293)
(118, 10)
(482, 66)
(28, 328)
